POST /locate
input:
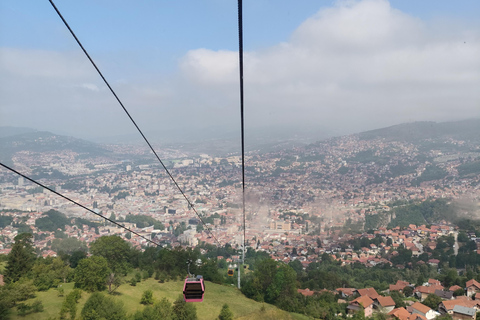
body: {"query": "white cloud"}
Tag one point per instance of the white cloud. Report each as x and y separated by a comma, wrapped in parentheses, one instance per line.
(356, 65)
(210, 67)
(90, 86)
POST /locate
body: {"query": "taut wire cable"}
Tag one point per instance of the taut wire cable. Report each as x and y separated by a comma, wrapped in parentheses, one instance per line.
(190, 205)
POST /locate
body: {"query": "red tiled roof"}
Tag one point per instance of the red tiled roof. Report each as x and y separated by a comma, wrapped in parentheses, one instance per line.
(454, 288)
(385, 301)
(400, 313)
(306, 292)
(473, 282)
(364, 301)
(370, 292)
(420, 307)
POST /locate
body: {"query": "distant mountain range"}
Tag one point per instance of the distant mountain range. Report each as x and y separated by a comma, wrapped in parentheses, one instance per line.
(15, 139)
(415, 131)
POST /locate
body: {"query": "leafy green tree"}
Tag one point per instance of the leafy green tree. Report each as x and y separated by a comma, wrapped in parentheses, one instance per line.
(225, 313)
(48, 273)
(284, 285)
(21, 258)
(115, 250)
(5, 221)
(398, 299)
(21, 290)
(69, 305)
(459, 292)
(408, 291)
(91, 274)
(52, 221)
(147, 297)
(101, 307)
(360, 315)
(432, 301)
(462, 237)
(68, 245)
(161, 310)
(75, 257)
(24, 309)
(113, 282)
(209, 271)
(183, 310)
(297, 266)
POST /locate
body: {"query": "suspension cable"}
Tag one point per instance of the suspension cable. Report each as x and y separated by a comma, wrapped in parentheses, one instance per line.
(190, 205)
(78, 204)
(240, 59)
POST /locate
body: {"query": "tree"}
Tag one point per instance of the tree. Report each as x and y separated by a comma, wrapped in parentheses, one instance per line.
(21, 258)
(432, 301)
(297, 266)
(115, 250)
(50, 272)
(225, 313)
(161, 310)
(147, 297)
(20, 291)
(91, 274)
(75, 258)
(70, 304)
(52, 221)
(101, 307)
(398, 299)
(113, 282)
(284, 285)
(68, 245)
(408, 291)
(183, 310)
(459, 292)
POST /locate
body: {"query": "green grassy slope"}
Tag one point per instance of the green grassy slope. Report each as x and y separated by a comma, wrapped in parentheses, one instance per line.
(215, 296)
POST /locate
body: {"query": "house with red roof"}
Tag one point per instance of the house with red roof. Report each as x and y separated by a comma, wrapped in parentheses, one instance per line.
(447, 306)
(370, 292)
(422, 292)
(400, 314)
(384, 304)
(423, 310)
(399, 286)
(472, 287)
(345, 292)
(454, 288)
(363, 302)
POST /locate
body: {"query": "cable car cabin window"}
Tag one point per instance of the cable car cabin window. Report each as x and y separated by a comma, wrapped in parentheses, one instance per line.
(193, 289)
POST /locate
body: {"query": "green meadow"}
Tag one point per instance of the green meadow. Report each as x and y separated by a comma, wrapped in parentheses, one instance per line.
(215, 297)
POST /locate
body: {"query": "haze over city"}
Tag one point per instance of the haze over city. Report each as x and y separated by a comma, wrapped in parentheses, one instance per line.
(337, 67)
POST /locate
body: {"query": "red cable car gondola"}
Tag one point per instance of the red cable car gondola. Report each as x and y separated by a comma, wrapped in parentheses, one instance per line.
(193, 289)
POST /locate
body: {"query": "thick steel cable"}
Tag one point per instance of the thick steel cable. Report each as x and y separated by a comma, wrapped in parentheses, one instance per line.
(240, 60)
(76, 203)
(133, 121)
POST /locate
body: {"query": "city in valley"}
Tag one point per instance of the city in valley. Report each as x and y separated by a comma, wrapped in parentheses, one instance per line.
(300, 202)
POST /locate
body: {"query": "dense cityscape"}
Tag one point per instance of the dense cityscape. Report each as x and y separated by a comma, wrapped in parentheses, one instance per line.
(349, 200)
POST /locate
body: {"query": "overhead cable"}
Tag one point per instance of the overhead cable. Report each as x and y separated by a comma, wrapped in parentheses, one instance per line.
(240, 58)
(78, 204)
(190, 205)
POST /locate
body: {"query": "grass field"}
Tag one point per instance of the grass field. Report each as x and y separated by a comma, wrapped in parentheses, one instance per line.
(215, 297)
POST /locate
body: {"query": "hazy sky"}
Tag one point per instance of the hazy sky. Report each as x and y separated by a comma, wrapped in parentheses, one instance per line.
(342, 66)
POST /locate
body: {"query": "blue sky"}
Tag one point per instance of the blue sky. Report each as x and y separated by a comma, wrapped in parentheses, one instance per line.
(345, 66)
